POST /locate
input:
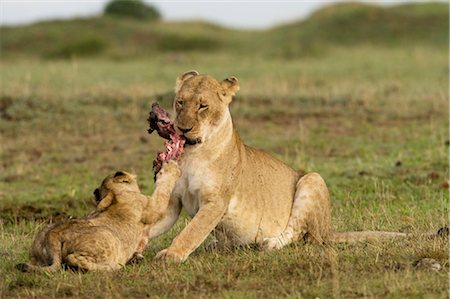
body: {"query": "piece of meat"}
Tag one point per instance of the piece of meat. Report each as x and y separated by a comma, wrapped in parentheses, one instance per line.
(159, 121)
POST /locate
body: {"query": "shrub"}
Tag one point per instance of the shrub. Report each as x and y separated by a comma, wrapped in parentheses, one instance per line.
(131, 8)
(82, 48)
(175, 42)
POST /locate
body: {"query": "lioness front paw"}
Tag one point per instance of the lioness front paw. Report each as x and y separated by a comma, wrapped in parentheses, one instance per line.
(170, 255)
(171, 168)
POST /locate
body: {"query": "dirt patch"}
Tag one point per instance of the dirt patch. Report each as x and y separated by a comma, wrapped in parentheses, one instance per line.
(5, 103)
(16, 213)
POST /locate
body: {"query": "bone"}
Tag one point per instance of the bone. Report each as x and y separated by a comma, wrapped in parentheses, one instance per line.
(159, 121)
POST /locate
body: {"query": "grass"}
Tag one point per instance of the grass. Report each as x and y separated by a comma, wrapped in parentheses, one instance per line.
(350, 116)
(371, 119)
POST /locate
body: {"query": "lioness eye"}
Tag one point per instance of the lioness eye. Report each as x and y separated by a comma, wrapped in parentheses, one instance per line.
(203, 107)
(180, 103)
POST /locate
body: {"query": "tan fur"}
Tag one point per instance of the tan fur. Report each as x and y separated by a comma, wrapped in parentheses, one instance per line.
(241, 194)
(107, 238)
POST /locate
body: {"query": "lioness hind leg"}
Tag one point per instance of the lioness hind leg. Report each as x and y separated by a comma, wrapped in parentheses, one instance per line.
(310, 214)
(89, 263)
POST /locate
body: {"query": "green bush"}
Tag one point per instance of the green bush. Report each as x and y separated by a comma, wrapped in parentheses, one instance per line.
(176, 42)
(85, 47)
(131, 8)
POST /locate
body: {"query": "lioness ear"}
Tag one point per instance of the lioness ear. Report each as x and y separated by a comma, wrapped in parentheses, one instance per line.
(230, 86)
(184, 77)
(106, 201)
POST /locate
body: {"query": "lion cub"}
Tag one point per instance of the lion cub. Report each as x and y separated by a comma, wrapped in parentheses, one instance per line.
(106, 239)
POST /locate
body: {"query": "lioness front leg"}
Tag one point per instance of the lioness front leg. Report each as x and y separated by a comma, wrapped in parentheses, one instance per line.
(195, 232)
(310, 214)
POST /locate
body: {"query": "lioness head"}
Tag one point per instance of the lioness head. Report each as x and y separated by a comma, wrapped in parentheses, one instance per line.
(201, 105)
(121, 181)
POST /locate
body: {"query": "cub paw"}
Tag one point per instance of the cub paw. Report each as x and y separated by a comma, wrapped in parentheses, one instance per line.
(136, 258)
(23, 267)
(169, 167)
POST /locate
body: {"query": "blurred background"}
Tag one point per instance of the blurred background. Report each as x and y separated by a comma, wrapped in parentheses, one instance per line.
(238, 14)
(128, 29)
(357, 91)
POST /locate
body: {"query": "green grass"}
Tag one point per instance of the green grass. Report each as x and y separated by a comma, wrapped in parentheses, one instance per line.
(372, 119)
(350, 116)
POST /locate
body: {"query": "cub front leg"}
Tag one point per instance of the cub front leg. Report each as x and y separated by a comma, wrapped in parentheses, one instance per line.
(195, 232)
(159, 201)
(162, 210)
(161, 226)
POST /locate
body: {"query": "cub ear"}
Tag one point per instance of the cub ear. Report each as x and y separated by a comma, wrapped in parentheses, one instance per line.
(106, 201)
(119, 173)
(124, 177)
(184, 77)
(97, 196)
(230, 86)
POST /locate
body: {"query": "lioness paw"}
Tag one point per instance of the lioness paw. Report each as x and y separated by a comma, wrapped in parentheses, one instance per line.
(170, 255)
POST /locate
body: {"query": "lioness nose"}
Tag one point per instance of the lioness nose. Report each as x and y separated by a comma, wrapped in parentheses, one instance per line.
(184, 130)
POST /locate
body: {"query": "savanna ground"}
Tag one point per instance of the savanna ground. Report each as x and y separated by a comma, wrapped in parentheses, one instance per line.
(373, 121)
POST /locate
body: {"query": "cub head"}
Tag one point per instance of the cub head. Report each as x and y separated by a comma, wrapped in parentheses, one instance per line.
(201, 105)
(120, 181)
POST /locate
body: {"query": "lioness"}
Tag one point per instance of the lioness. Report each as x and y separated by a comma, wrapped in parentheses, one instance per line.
(107, 238)
(242, 194)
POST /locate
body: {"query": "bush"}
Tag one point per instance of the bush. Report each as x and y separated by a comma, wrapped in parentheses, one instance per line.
(131, 8)
(90, 46)
(175, 42)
